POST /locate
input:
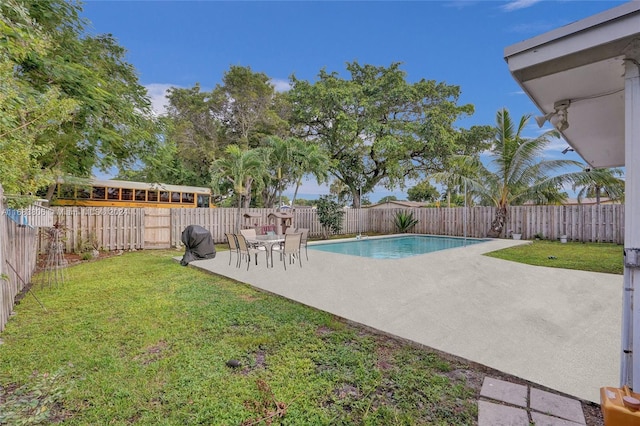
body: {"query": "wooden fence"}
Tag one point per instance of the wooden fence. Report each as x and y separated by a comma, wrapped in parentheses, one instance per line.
(106, 228)
(18, 257)
(127, 229)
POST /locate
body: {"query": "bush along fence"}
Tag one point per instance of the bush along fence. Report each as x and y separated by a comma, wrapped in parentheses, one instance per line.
(138, 228)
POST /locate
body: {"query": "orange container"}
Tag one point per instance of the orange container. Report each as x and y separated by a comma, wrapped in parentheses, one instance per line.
(620, 407)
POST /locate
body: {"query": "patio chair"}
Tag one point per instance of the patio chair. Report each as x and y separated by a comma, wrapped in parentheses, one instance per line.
(249, 233)
(290, 248)
(246, 250)
(233, 247)
(289, 230)
(303, 241)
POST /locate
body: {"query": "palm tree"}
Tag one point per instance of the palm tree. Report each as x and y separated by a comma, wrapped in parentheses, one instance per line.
(460, 168)
(279, 164)
(594, 183)
(239, 168)
(307, 159)
(516, 173)
(292, 159)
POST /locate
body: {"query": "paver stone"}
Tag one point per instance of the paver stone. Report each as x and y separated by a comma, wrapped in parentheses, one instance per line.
(557, 405)
(508, 392)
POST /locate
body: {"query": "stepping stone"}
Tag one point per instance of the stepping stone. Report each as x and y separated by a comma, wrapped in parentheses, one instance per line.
(490, 414)
(543, 420)
(556, 405)
(508, 392)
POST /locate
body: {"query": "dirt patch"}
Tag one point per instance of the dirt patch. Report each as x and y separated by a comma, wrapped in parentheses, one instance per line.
(153, 353)
(323, 330)
(248, 297)
(70, 259)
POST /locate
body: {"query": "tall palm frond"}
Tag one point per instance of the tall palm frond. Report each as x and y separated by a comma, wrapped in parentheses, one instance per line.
(240, 168)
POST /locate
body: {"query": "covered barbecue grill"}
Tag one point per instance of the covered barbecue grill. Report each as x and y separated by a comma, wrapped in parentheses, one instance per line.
(198, 244)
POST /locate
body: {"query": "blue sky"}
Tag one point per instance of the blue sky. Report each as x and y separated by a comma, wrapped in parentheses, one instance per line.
(181, 43)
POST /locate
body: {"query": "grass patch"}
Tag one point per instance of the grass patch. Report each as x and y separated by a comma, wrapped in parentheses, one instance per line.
(594, 257)
(139, 339)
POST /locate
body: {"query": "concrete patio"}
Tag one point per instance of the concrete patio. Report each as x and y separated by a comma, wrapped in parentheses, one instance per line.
(555, 327)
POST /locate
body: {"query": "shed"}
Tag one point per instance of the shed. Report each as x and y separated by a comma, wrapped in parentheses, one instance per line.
(281, 221)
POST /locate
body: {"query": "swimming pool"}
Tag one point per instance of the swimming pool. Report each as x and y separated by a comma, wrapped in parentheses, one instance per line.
(395, 247)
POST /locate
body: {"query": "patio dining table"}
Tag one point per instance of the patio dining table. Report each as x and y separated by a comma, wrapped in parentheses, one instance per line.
(267, 241)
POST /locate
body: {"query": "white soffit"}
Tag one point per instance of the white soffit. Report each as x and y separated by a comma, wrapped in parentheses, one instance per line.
(582, 62)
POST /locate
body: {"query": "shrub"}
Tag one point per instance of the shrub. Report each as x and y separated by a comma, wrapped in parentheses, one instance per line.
(404, 221)
(330, 215)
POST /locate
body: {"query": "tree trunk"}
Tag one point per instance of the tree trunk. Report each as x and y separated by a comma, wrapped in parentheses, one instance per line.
(356, 198)
(247, 190)
(238, 215)
(295, 193)
(498, 222)
(51, 190)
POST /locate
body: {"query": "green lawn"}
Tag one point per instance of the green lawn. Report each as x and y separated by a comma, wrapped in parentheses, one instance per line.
(139, 339)
(595, 257)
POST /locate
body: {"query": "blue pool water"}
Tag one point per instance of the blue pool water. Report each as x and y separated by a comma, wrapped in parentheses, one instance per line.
(395, 247)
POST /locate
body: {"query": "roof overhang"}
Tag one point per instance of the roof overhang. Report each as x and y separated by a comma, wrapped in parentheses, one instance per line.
(583, 63)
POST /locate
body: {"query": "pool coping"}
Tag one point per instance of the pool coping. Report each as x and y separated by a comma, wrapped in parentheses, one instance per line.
(393, 236)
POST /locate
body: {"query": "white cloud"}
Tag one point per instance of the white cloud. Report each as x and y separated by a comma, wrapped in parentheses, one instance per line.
(158, 95)
(519, 4)
(281, 85)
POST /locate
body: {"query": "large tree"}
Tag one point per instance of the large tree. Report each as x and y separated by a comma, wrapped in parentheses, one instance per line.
(28, 116)
(422, 191)
(194, 132)
(112, 124)
(378, 128)
(243, 109)
(247, 106)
